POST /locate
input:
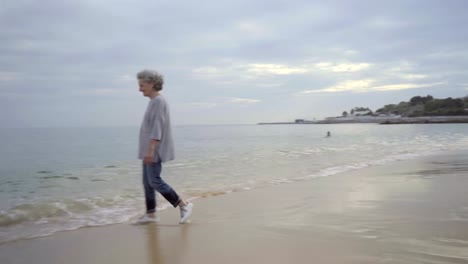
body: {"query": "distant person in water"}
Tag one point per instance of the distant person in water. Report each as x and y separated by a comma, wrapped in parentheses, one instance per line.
(155, 147)
(328, 134)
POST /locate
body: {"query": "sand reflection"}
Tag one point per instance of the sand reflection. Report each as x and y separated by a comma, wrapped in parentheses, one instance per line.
(167, 244)
(154, 248)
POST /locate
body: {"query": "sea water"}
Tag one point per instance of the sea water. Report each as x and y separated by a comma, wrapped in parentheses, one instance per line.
(56, 179)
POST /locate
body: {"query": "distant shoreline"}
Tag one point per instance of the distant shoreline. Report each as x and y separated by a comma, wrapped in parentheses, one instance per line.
(380, 120)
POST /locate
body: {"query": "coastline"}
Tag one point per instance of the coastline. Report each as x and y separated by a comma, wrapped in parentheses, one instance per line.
(379, 120)
(410, 211)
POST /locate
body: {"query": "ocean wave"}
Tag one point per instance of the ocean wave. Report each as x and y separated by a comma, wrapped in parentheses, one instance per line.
(47, 210)
(59, 177)
(47, 217)
(52, 177)
(360, 165)
(29, 212)
(43, 172)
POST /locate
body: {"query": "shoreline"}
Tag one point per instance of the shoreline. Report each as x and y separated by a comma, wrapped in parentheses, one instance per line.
(402, 212)
(379, 120)
(323, 172)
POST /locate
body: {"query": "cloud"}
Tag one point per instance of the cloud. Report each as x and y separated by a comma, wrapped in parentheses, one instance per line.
(269, 84)
(347, 86)
(236, 74)
(6, 76)
(279, 69)
(208, 70)
(127, 78)
(243, 100)
(342, 67)
(402, 86)
(360, 86)
(219, 102)
(253, 29)
(247, 58)
(259, 69)
(283, 69)
(412, 76)
(253, 74)
(222, 74)
(203, 105)
(385, 23)
(105, 92)
(404, 70)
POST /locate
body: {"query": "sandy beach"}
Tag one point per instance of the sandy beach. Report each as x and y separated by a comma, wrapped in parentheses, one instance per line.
(412, 211)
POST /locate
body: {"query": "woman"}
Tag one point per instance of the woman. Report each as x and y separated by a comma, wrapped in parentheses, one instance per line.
(155, 147)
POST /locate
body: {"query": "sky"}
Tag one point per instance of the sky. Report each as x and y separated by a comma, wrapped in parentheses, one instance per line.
(73, 63)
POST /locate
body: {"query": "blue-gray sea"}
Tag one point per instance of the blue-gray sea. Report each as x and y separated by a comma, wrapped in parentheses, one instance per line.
(55, 179)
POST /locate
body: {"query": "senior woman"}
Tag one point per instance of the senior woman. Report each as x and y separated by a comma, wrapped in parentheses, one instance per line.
(155, 147)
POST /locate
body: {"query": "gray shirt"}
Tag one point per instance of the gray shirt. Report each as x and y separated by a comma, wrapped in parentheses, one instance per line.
(157, 125)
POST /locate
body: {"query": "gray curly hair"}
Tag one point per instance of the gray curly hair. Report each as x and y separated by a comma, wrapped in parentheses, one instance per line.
(151, 76)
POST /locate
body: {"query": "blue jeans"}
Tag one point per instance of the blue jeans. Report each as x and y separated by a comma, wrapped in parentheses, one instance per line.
(152, 182)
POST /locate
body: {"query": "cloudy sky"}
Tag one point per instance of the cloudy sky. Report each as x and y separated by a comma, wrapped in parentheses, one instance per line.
(73, 63)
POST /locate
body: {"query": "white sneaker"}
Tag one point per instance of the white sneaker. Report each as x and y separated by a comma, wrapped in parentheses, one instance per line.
(145, 219)
(185, 212)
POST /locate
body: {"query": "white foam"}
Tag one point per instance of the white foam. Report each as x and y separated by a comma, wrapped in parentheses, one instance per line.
(365, 230)
(98, 211)
(370, 237)
(279, 181)
(450, 240)
(360, 165)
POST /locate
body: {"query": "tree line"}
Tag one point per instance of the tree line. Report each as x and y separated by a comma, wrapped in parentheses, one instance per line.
(421, 106)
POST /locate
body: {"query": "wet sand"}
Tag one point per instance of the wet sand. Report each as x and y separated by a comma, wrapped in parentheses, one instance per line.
(413, 211)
